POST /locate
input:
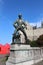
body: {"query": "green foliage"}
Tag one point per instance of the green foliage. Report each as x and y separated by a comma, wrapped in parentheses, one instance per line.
(40, 41)
(33, 44)
(7, 58)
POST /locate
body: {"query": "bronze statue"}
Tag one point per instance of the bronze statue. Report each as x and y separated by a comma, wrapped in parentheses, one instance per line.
(19, 25)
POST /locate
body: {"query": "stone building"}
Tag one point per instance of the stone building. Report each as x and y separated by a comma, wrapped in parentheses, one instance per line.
(32, 32)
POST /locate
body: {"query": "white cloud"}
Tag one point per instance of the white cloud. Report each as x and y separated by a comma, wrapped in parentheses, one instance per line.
(38, 23)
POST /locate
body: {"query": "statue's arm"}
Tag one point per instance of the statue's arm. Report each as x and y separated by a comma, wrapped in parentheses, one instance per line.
(24, 23)
(15, 24)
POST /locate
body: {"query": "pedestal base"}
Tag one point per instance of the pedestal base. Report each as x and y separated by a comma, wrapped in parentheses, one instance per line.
(19, 55)
(23, 63)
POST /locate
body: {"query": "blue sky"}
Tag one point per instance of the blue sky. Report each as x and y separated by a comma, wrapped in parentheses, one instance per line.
(32, 11)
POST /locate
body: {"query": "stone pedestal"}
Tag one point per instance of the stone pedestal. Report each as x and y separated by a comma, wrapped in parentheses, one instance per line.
(24, 55)
(19, 55)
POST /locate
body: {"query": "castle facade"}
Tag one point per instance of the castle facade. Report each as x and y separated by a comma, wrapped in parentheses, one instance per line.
(32, 33)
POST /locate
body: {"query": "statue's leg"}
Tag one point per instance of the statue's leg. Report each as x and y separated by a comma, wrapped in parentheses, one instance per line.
(23, 33)
(13, 39)
(26, 39)
(16, 30)
(14, 36)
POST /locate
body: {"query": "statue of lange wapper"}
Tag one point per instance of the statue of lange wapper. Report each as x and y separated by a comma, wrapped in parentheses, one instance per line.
(19, 25)
(18, 55)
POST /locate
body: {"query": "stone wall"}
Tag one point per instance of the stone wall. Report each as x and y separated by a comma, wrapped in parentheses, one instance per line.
(22, 54)
(31, 34)
(37, 33)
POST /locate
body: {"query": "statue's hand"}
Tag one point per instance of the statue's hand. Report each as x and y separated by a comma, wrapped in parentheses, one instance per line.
(25, 27)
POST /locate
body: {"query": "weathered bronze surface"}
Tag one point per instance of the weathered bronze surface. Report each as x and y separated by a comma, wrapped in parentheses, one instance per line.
(19, 25)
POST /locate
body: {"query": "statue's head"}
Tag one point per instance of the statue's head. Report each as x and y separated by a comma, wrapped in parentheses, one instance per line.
(20, 16)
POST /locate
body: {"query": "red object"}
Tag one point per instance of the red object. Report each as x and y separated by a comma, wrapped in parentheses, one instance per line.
(5, 49)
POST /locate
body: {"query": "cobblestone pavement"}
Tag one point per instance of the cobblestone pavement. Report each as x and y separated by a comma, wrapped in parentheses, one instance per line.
(40, 63)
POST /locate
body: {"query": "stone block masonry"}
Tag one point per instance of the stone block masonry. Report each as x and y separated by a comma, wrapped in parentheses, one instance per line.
(24, 54)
